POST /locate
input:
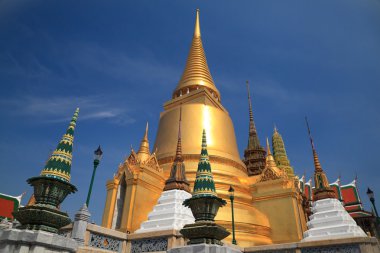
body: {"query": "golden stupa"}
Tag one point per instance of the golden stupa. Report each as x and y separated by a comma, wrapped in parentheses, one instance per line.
(267, 208)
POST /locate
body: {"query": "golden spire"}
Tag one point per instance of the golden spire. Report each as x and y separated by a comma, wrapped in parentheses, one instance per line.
(196, 72)
(197, 28)
(270, 160)
(269, 153)
(144, 152)
(317, 164)
(321, 183)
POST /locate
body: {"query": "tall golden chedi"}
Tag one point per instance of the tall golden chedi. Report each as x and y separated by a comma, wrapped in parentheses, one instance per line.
(139, 181)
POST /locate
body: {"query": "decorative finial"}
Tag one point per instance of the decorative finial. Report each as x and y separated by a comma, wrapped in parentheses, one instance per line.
(317, 164)
(308, 130)
(178, 156)
(144, 152)
(177, 179)
(275, 128)
(250, 106)
(322, 186)
(197, 29)
(146, 131)
(196, 74)
(268, 148)
(204, 140)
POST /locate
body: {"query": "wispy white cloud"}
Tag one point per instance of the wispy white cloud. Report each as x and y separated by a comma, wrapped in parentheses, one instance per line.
(59, 109)
(121, 64)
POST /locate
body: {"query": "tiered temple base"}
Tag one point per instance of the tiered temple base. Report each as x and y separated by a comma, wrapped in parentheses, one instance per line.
(169, 213)
(331, 221)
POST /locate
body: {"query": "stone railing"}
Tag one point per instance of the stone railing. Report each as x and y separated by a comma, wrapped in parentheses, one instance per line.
(93, 238)
(103, 239)
(350, 245)
(160, 241)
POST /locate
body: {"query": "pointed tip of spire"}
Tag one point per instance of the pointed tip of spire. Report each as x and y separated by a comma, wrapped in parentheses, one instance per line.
(196, 73)
(144, 146)
(178, 156)
(252, 127)
(146, 130)
(275, 128)
(204, 139)
(197, 28)
(268, 148)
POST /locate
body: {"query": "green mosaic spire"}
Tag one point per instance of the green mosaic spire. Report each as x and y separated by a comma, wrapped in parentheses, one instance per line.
(204, 183)
(279, 153)
(59, 164)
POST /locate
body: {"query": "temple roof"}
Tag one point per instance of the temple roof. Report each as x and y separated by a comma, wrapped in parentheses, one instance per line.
(59, 164)
(196, 72)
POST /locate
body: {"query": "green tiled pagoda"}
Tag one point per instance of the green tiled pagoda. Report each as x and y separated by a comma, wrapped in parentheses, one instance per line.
(204, 205)
(51, 188)
(59, 163)
(204, 183)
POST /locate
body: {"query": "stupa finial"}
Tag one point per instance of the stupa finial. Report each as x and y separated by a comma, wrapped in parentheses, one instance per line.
(197, 28)
(317, 164)
(177, 179)
(254, 154)
(322, 186)
(268, 148)
(144, 152)
(196, 73)
(178, 155)
(252, 127)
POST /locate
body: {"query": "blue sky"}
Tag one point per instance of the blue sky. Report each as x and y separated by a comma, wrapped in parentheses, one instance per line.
(119, 61)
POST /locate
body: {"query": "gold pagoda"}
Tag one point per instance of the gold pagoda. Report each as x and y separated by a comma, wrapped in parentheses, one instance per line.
(268, 203)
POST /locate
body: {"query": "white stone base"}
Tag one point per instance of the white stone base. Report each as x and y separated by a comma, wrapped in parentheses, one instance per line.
(205, 248)
(30, 241)
(331, 221)
(169, 213)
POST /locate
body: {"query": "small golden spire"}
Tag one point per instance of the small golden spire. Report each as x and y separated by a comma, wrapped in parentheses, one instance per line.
(196, 73)
(269, 153)
(144, 152)
(146, 131)
(197, 28)
(270, 163)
